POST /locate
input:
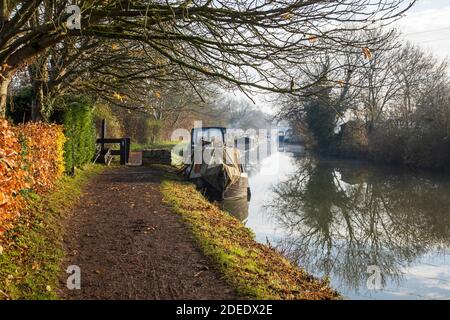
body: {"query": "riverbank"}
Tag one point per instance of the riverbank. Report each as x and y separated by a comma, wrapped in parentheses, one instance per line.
(255, 270)
(393, 146)
(141, 233)
(31, 252)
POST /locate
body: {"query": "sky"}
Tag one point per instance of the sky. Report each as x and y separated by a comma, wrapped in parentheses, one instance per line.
(428, 25)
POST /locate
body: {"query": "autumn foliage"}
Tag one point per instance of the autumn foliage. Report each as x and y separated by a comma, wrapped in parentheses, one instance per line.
(43, 153)
(13, 177)
(31, 158)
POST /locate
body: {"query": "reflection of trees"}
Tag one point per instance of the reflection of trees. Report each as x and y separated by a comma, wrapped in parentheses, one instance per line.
(341, 219)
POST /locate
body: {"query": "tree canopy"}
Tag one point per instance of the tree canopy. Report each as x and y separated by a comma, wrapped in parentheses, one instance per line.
(249, 43)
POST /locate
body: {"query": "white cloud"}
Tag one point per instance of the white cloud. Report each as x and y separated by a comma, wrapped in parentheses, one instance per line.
(428, 25)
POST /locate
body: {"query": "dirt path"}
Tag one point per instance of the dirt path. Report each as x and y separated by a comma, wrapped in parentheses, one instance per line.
(129, 246)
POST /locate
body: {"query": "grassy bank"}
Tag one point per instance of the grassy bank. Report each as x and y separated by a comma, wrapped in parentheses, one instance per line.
(31, 252)
(155, 145)
(255, 270)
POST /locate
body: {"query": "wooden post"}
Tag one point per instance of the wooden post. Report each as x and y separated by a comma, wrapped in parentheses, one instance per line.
(123, 149)
(103, 133)
(128, 145)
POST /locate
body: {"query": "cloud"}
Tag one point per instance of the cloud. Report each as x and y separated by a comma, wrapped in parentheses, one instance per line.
(429, 27)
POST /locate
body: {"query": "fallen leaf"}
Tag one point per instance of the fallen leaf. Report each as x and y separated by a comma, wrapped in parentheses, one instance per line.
(367, 53)
(198, 273)
(3, 199)
(312, 38)
(118, 96)
(287, 15)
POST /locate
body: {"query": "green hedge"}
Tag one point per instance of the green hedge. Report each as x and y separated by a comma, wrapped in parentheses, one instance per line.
(78, 120)
(76, 113)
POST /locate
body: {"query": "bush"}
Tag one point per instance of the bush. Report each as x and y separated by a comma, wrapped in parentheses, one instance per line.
(388, 144)
(429, 149)
(113, 125)
(352, 141)
(153, 130)
(422, 147)
(13, 177)
(320, 119)
(78, 121)
(31, 159)
(43, 153)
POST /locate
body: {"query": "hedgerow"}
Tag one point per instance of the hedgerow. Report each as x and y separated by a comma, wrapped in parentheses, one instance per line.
(13, 176)
(43, 153)
(77, 117)
(31, 159)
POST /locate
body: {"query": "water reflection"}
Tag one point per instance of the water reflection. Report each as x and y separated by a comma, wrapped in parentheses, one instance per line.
(339, 217)
(237, 207)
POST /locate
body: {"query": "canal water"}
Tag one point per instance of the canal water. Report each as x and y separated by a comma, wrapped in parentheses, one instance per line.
(377, 232)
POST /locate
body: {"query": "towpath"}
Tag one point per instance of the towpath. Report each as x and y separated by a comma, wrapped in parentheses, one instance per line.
(128, 245)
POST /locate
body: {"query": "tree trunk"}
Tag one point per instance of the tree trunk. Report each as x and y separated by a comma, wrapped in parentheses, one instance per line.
(37, 103)
(39, 76)
(4, 84)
